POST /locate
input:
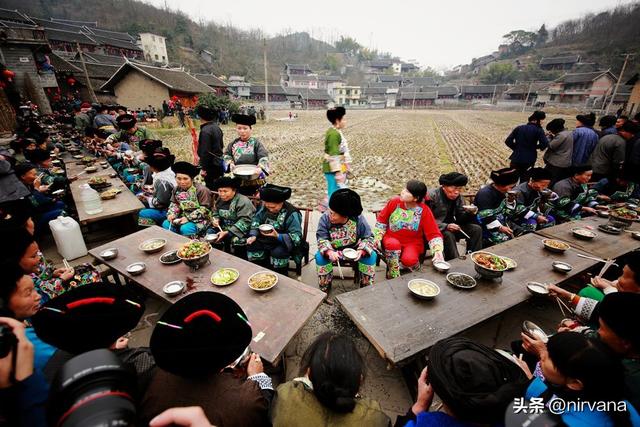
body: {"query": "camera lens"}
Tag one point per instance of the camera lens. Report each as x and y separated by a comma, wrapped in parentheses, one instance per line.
(93, 389)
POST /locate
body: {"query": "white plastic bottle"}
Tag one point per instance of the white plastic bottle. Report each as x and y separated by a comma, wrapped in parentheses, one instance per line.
(68, 237)
(90, 199)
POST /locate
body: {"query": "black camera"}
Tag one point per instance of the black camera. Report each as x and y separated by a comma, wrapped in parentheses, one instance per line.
(93, 389)
(8, 341)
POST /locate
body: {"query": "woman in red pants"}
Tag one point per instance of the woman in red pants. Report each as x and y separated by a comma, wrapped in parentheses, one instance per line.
(403, 226)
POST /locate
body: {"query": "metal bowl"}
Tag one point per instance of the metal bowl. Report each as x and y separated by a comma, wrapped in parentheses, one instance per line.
(583, 233)
(109, 253)
(350, 254)
(636, 235)
(136, 268)
(262, 289)
(211, 237)
(534, 331)
(90, 169)
(162, 243)
(167, 258)
(610, 229)
(603, 214)
(537, 288)
(561, 267)
(247, 172)
(442, 266)
(266, 228)
(196, 263)
(450, 277)
(487, 273)
(547, 246)
(174, 288)
(413, 284)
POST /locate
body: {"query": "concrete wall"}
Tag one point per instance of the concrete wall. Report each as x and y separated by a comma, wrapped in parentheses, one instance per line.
(136, 90)
(154, 46)
(14, 57)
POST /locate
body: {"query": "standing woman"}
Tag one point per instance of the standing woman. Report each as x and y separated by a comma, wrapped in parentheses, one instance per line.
(557, 158)
(336, 152)
(247, 150)
(188, 212)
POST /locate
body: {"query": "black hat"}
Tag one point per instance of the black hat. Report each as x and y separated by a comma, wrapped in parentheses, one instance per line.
(556, 125)
(475, 381)
(88, 317)
(540, 174)
(22, 168)
(243, 119)
(185, 168)
(619, 310)
(334, 114)
(346, 202)
(205, 112)
(587, 119)
(161, 159)
(453, 178)
(274, 193)
(126, 121)
(504, 176)
(148, 146)
(607, 121)
(630, 127)
(578, 169)
(226, 182)
(537, 115)
(418, 189)
(37, 155)
(14, 214)
(202, 333)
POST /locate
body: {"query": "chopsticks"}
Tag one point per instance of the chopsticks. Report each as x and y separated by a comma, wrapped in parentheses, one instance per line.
(606, 266)
(66, 264)
(596, 259)
(465, 234)
(561, 304)
(340, 269)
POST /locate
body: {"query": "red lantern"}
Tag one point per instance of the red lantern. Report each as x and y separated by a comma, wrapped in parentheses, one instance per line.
(71, 81)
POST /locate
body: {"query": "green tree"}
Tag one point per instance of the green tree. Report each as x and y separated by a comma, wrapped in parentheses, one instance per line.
(333, 63)
(521, 37)
(499, 74)
(348, 46)
(217, 103)
(543, 35)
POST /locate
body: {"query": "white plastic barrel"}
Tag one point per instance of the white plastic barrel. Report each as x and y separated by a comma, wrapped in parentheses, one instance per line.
(68, 237)
(90, 199)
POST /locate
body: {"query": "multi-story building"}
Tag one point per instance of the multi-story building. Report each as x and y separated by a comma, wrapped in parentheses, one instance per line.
(154, 48)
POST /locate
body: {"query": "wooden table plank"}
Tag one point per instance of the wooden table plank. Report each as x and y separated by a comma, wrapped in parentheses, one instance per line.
(125, 203)
(602, 246)
(276, 316)
(401, 326)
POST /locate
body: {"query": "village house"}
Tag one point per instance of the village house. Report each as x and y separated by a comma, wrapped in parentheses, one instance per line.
(301, 81)
(388, 78)
(206, 56)
(154, 48)
(589, 89)
(239, 88)
(480, 64)
(563, 63)
(481, 92)
(218, 86)
(519, 92)
(417, 99)
(348, 96)
(138, 86)
(419, 81)
(378, 66)
(329, 82)
(308, 98)
(277, 94)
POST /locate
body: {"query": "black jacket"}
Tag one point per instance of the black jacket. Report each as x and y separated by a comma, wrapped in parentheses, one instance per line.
(210, 145)
(439, 205)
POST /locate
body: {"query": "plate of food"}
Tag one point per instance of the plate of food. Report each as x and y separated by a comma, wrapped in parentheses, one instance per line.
(554, 245)
(152, 245)
(609, 229)
(624, 214)
(424, 289)
(110, 194)
(489, 261)
(90, 169)
(262, 281)
(170, 257)
(57, 171)
(77, 156)
(194, 254)
(225, 276)
(98, 182)
(350, 254)
(583, 233)
(511, 263)
(561, 267)
(461, 281)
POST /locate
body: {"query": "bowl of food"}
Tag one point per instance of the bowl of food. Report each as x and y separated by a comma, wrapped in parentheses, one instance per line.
(154, 245)
(170, 257)
(109, 253)
(262, 281)
(442, 266)
(88, 160)
(583, 233)
(77, 156)
(561, 267)
(534, 331)
(136, 268)
(602, 213)
(609, 229)
(225, 276)
(98, 182)
(211, 237)
(488, 265)
(423, 289)
(109, 194)
(472, 209)
(90, 169)
(536, 288)
(265, 228)
(104, 163)
(461, 281)
(623, 215)
(635, 235)
(105, 166)
(557, 246)
(113, 175)
(132, 171)
(195, 254)
(511, 263)
(247, 172)
(174, 288)
(350, 254)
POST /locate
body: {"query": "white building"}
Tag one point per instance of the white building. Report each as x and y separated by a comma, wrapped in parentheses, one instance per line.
(154, 48)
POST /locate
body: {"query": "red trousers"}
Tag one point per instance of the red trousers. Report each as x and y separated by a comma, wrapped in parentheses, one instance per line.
(410, 251)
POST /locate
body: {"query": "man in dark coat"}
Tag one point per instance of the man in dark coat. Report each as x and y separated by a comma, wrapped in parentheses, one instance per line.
(454, 220)
(524, 140)
(210, 144)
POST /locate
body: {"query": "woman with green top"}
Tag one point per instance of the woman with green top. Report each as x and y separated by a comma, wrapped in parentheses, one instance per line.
(336, 152)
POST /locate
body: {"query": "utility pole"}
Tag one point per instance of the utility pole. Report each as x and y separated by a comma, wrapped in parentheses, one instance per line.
(86, 74)
(266, 82)
(494, 93)
(615, 91)
(527, 98)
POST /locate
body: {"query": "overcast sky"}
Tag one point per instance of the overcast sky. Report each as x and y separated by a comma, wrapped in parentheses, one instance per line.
(435, 33)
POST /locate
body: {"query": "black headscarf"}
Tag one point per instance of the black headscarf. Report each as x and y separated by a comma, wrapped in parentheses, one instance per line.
(453, 178)
(185, 168)
(346, 202)
(504, 176)
(243, 119)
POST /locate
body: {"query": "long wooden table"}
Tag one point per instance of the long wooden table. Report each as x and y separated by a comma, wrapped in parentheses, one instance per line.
(276, 316)
(125, 203)
(400, 326)
(602, 246)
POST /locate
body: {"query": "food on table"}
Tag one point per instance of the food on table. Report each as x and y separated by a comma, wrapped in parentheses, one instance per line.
(169, 257)
(88, 159)
(225, 276)
(194, 250)
(583, 232)
(489, 261)
(153, 244)
(57, 171)
(511, 264)
(262, 280)
(98, 180)
(607, 228)
(461, 280)
(556, 244)
(90, 169)
(424, 288)
(109, 194)
(624, 213)
(77, 156)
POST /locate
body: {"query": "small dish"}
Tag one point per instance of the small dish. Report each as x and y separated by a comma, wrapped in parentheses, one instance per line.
(636, 235)
(211, 237)
(583, 233)
(169, 258)
(174, 288)
(554, 245)
(109, 253)
(78, 156)
(350, 254)
(609, 229)
(511, 263)
(561, 267)
(534, 331)
(461, 281)
(90, 169)
(442, 266)
(152, 245)
(136, 268)
(266, 228)
(536, 288)
(424, 289)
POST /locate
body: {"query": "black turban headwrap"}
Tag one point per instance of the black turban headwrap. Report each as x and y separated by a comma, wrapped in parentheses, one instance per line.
(453, 178)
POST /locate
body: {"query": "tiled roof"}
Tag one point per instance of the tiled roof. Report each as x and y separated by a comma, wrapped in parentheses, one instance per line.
(389, 78)
(47, 23)
(68, 36)
(14, 16)
(177, 80)
(572, 59)
(210, 80)
(583, 77)
(111, 34)
(273, 90)
(482, 89)
(525, 87)
(104, 71)
(418, 95)
(60, 64)
(103, 59)
(108, 41)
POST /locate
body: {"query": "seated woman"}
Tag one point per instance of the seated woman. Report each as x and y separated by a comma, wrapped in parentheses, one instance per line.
(188, 212)
(231, 215)
(274, 249)
(342, 227)
(498, 208)
(474, 382)
(576, 369)
(246, 150)
(618, 188)
(534, 196)
(164, 184)
(403, 226)
(42, 160)
(326, 393)
(575, 199)
(203, 363)
(45, 208)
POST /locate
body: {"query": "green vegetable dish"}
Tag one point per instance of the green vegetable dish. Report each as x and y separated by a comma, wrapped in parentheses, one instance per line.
(194, 250)
(225, 276)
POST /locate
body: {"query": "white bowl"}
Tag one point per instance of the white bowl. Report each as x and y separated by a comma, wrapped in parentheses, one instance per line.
(536, 288)
(266, 228)
(350, 253)
(173, 288)
(136, 268)
(416, 282)
(109, 253)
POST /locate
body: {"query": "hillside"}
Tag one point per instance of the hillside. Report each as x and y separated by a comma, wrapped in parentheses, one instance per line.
(235, 51)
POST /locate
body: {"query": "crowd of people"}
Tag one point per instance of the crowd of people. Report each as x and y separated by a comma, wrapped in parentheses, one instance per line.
(199, 352)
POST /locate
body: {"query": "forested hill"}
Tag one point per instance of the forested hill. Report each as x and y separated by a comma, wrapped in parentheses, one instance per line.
(236, 50)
